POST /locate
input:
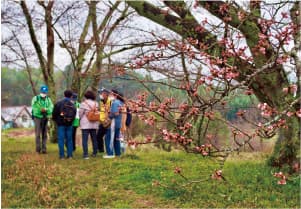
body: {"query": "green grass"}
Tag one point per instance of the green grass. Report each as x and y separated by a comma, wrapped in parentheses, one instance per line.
(31, 180)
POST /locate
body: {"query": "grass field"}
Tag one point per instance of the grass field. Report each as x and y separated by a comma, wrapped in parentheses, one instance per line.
(30, 180)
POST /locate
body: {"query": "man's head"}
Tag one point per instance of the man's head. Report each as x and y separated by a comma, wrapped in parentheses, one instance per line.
(68, 93)
(44, 91)
(104, 93)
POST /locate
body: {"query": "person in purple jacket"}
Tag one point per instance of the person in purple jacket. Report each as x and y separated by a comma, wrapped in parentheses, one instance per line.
(112, 142)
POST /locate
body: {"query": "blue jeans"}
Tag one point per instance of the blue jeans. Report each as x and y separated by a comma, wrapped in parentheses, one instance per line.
(65, 133)
(85, 136)
(116, 143)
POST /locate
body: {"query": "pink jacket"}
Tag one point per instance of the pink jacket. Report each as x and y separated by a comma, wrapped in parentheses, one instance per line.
(83, 110)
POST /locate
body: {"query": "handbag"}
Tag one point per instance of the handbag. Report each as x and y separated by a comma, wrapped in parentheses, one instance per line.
(106, 123)
(93, 114)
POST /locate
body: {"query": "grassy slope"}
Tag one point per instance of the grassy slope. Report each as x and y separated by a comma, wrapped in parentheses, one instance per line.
(31, 180)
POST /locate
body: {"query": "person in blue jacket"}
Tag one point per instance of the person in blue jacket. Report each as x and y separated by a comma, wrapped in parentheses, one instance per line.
(112, 142)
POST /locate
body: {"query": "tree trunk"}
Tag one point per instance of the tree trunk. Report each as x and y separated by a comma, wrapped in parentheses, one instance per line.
(287, 148)
(50, 65)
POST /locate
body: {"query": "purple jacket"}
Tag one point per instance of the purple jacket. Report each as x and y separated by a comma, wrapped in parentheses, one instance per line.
(83, 110)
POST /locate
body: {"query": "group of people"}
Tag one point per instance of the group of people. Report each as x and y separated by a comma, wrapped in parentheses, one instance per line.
(107, 124)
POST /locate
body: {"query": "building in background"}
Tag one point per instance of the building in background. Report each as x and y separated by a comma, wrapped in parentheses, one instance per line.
(16, 117)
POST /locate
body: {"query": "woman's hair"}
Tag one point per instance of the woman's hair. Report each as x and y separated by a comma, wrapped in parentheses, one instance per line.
(118, 94)
(120, 97)
(90, 95)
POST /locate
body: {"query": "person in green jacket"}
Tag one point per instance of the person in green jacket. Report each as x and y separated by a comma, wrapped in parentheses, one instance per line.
(75, 123)
(42, 108)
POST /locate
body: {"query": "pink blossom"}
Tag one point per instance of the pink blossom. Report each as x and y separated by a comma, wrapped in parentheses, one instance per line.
(241, 15)
(164, 131)
(249, 92)
(284, 14)
(262, 50)
(289, 114)
(298, 113)
(217, 175)
(199, 29)
(262, 36)
(285, 90)
(279, 175)
(148, 138)
(281, 182)
(177, 170)
(163, 43)
(204, 153)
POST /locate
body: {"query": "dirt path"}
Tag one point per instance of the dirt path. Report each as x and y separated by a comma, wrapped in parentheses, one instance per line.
(15, 133)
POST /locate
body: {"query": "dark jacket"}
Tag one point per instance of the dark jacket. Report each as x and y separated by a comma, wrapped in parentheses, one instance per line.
(56, 114)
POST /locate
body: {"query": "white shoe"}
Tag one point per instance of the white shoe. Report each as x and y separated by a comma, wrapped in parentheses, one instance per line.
(108, 156)
(86, 158)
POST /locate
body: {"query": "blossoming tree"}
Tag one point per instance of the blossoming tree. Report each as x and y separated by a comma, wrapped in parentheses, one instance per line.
(247, 47)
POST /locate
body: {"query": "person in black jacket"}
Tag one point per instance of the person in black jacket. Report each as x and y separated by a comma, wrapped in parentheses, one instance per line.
(63, 114)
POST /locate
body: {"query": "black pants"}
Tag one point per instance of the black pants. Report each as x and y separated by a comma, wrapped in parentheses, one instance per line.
(100, 134)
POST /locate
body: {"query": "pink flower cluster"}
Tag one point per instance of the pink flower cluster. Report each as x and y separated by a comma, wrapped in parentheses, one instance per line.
(187, 126)
(177, 170)
(148, 120)
(282, 177)
(209, 115)
(267, 111)
(163, 43)
(217, 175)
(175, 137)
(290, 89)
(204, 149)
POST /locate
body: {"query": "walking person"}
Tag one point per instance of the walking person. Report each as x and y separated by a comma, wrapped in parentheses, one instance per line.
(75, 123)
(87, 126)
(112, 137)
(104, 121)
(42, 108)
(64, 114)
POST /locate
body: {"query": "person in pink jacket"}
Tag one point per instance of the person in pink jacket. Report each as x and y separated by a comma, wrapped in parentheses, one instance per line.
(88, 127)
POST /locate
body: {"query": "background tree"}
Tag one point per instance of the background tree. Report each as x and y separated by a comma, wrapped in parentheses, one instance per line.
(90, 52)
